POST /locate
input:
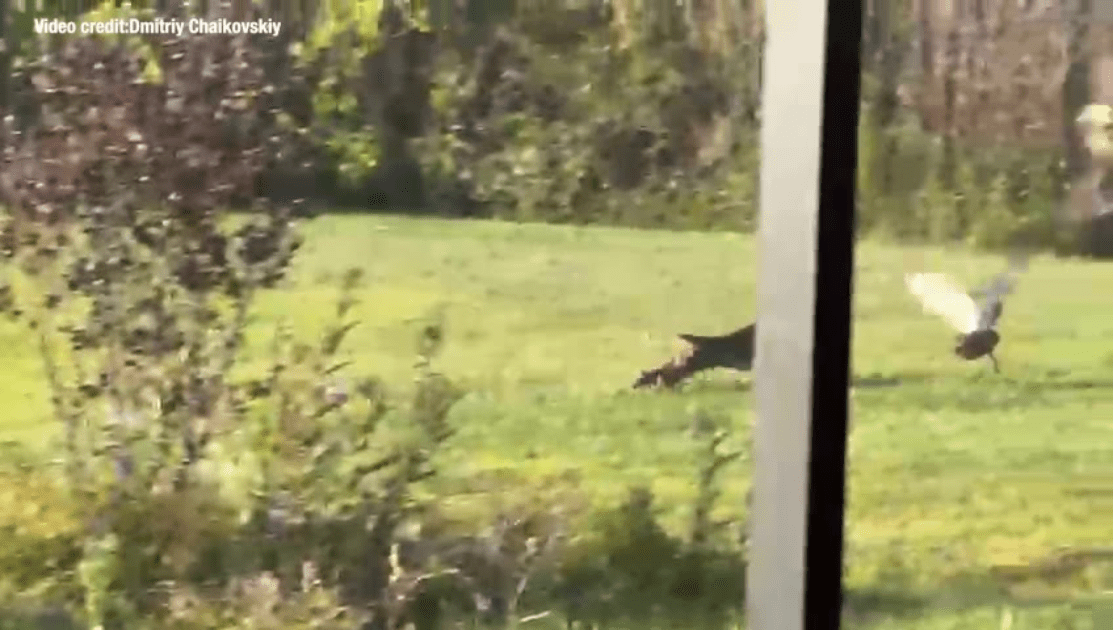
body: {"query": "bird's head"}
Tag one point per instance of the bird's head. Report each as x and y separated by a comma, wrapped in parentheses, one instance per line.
(960, 341)
(647, 378)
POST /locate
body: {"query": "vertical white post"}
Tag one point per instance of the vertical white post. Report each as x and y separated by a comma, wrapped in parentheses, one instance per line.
(791, 117)
(795, 538)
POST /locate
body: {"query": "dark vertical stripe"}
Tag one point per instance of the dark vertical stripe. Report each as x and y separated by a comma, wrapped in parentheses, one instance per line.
(833, 307)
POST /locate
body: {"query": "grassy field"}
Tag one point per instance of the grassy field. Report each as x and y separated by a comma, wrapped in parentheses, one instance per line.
(960, 479)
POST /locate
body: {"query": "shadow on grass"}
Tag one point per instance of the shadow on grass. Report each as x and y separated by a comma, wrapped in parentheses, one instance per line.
(699, 385)
(14, 619)
(1049, 581)
(881, 381)
(871, 381)
(864, 605)
(1080, 385)
(717, 386)
(1052, 382)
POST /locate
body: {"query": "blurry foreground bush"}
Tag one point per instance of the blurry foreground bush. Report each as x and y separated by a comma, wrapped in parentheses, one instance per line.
(187, 491)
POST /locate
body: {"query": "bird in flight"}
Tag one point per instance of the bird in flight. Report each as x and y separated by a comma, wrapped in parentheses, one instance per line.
(976, 323)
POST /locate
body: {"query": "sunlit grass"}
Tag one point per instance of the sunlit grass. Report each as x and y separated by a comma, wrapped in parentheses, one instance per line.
(954, 470)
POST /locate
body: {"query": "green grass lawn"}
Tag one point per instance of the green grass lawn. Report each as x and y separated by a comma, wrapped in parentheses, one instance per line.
(955, 472)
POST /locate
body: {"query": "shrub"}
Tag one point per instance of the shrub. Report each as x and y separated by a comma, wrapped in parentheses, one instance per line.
(137, 286)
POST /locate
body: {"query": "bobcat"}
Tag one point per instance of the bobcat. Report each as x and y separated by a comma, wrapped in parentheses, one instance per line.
(734, 350)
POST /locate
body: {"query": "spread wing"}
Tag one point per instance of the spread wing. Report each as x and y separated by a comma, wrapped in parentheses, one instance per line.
(1095, 122)
(940, 295)
(993, 295)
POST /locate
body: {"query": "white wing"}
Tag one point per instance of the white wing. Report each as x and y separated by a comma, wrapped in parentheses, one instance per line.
(1094, 123)
(941, 296)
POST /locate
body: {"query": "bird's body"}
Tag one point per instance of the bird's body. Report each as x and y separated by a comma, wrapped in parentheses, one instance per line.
(978, 344)
(976, 324)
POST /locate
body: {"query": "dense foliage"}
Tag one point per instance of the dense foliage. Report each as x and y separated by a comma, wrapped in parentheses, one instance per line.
(633, 114)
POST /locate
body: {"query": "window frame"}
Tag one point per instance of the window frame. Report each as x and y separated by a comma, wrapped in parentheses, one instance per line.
(810, 111)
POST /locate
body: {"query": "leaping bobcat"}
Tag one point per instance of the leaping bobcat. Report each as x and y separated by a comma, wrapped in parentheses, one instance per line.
(734, 350)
